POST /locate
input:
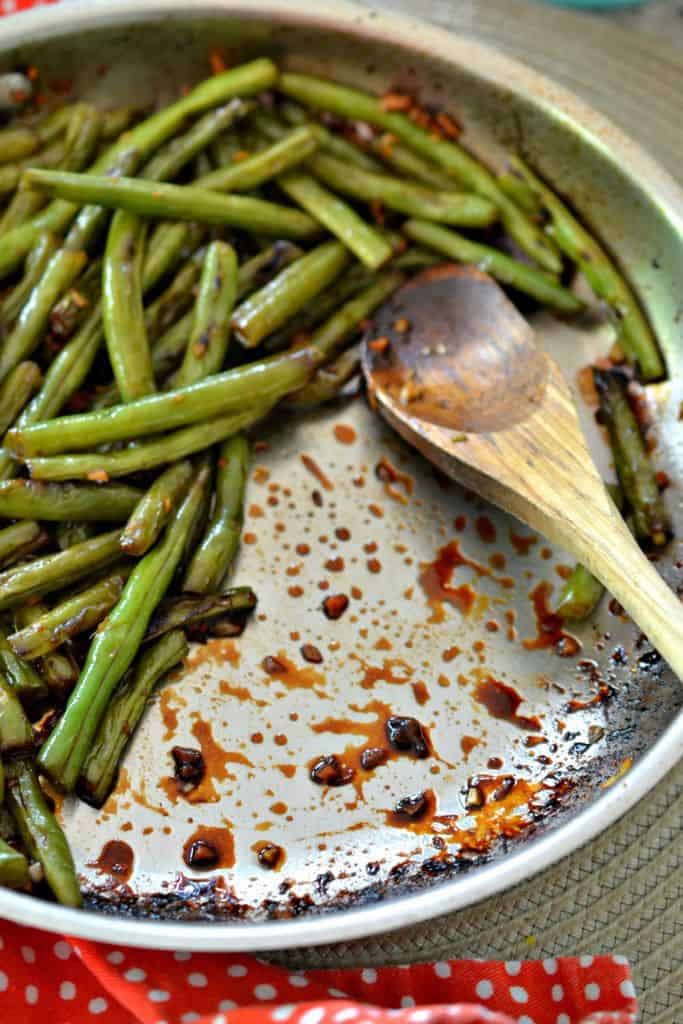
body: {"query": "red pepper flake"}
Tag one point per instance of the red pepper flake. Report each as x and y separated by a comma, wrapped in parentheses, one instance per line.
(386, 144)
(241, 154)
(217, 62)
(32, 73)
(99, 476)
(379, 344)
(396, 101)
(448, 125)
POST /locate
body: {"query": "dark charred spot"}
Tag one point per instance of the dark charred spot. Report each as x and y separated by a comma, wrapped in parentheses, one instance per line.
(406, 734)
(201, 854)
(189, 765)
(373, 757)
(270, 856)
(272, 666)
(309, 652)
(335, 605)
(413, 806)
(330, 771)
(317, 498)
(649, 660)
(202, 343)
(322, 882)
(44, 726)
(372, 867)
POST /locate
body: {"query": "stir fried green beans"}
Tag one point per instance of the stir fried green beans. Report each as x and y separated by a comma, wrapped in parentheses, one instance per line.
(270, 307)
(452, 158)
(155, 508)
(175, 202)
(200, 610)
(122, 311)
(635, 335)
(40, 831)
(29, 499)
(217, 548)
(634, 470)
(504, 268)
(78, 614)
(235, 210)
(114, 647)
(123, 714)
(54, 572)
(208, 343)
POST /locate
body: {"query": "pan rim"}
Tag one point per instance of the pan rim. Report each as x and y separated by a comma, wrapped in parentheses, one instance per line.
(613, 803)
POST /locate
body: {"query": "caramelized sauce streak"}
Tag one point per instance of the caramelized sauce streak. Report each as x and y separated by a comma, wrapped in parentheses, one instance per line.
(393, 479)
(295, 677)
(313, 467)
(435, 580)
(216, 760)
(468, 743)
(116, 859)
(550, 630)
(169, 702)
(215, 652)
(521, 544)
(220, 839)
(386, 672)
(242, 693)
(502, 701)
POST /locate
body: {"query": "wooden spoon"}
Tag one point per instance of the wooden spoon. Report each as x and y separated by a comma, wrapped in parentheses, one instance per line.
(463, 380)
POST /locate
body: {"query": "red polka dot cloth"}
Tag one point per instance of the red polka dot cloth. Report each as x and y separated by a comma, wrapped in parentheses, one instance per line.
(44, 978)
(62, 981)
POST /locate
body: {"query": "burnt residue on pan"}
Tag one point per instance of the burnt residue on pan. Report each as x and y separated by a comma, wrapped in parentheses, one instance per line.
(403, 708)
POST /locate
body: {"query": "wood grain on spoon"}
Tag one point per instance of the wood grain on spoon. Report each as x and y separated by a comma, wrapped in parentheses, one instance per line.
(465, 382)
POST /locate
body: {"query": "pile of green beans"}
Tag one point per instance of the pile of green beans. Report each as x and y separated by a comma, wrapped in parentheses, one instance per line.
(169, 280)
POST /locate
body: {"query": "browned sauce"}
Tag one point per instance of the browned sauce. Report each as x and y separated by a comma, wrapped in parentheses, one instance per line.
(344, 433)
(550, 631)
(313, 467)
(393, 479)
(435, 580)
(335, 605)
(216, 760)
(116, 859)
(522, 544)
(216, 651)
(502, 701)
(209, 848)
(269, 855)
(386, 672)
(468, 743)
(421, 692)
(294, 677)
(485, 529)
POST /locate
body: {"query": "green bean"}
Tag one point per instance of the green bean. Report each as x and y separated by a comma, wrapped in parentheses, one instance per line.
(330, 143)
(635, 338)
(176, 298)
(74, 307)
(16, 143)
(58, 669)
(179, 151)
(30, 499)
(115, 646)
(129, 151)
(264, 265)
(327, 382)
(363, 240)
(36, 264)
(216, 551)
(409, 164)
(69, 533)
(9, 178)
(456, 161)
(23, 205)
(117, 120)
(122, 313)
(159, 200)
(13, 864)
(23, 678)
(192, 610)
(40, 831)
(16, 733)
(154, 509)
(60, 273)
(54, 572)
(224, 149)
(323, 305)
(520, 193)
(270, 307)
(580, 595)
(416, 258)
(246, 174)
(16, 390)
(150, 453)
(21, 539)
(54, 124)
(78, 614)
(459, 208)
(264, 381)
(504, 268)
(123, 714)
(82, 136)
(208, 343)
(167, 244)
(631, 460)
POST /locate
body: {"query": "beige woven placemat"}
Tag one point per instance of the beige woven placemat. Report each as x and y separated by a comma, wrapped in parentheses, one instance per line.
(623, 892)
